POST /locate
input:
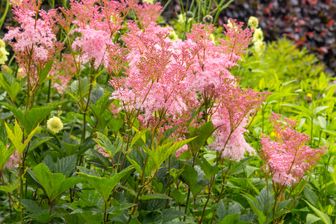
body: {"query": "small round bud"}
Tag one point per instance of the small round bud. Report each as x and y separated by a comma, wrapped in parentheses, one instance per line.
(55, 125)
(253, 22)
(258, 35)
(208, 19)
(148, 1)
(259, 47)
(3, 52)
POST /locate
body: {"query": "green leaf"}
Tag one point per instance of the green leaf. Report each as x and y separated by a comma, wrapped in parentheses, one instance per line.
(5, 154)
(135, 164)
(324, 217)
(154, 197)
(310, 218)
(157, 156)
(105, 185)
(190, 177)
(104, 142)
(207, 168)
(319, 109)
(253, 202)
(231, 218)
(10, 85)
(37, 213)
(53, 184)
(140, 135)
(45, 71)
(16, 136)
(200, 135)
(9, 188)
(65, 165)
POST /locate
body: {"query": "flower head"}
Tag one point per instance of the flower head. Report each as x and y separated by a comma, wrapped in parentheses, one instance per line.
(258, 35)
(259, 47)
(55, 125)
(3, 52)
(253, 22)
(288, 156)
(233, 107)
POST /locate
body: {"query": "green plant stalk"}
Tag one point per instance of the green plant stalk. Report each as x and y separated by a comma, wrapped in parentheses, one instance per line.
(220, 8)
(139, 191)
(3, 18)
(49, 91)
(92, 78)
(212, 181)
(208, 9)
(189, 191)
(105, 216)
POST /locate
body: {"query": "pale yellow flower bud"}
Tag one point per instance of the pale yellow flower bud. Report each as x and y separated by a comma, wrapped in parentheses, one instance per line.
(253, 22)
(258, 35)
(148, 1)
(3, 52)
(259, 47)
(55, 125)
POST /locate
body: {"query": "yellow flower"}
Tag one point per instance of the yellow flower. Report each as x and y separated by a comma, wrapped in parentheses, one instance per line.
(2, 44)
(3, 52)
(55, 125)
(253, 22)
(173, 35)
(258, 35)
(148, 1)
(259, 47)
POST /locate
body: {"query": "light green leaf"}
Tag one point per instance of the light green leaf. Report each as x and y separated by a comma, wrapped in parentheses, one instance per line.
(324, 217)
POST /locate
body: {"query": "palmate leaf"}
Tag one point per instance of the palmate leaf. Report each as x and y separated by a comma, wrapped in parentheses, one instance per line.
(105, 185)
(65, 165)
(42, 215)
(53, 184)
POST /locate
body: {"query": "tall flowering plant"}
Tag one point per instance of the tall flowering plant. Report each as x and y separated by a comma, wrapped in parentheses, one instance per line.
(288, 156)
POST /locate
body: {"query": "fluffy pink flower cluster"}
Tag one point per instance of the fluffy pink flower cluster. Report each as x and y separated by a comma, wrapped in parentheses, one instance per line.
(166, 81)
(34, 41)
(177, 77)
(288, 156)
(230, 118)
(34, 37)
